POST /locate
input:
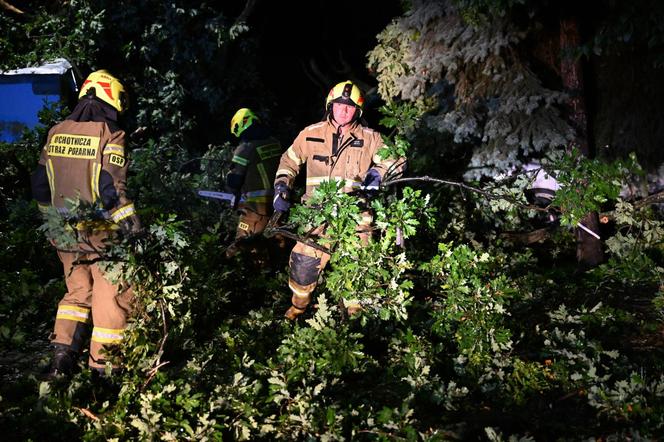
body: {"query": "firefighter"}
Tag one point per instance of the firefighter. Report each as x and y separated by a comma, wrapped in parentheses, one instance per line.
(253, 167)
(337, 148)
(84, 156)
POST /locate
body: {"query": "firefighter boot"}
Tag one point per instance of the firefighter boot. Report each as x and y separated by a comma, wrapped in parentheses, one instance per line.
(293, 312)
(63, 362)
(300, 299)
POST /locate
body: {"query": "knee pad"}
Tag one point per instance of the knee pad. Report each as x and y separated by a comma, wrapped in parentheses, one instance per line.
(304, 269)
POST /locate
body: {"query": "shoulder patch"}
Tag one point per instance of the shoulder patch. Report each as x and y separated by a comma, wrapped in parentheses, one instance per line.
(116, 160)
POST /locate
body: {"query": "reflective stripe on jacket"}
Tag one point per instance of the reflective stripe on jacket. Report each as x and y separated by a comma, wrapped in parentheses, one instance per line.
(87, 160)
(327, 156)
(256, 163)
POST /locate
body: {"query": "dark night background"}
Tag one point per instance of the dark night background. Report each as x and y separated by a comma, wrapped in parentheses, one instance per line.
(294, 36)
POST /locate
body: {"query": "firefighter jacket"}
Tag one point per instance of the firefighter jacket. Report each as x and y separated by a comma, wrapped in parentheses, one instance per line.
(330, 156)
(254, 165)
(85, 159)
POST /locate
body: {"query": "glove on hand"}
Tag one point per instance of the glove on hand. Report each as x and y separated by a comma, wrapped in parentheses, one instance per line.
(372, 180)
(234, 184)
(281, 195)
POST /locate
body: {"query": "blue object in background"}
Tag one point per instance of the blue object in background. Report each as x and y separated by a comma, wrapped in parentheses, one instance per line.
(24, 92)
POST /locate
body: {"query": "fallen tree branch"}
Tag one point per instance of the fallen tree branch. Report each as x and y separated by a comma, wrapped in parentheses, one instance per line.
(464, 186)
(527, 237)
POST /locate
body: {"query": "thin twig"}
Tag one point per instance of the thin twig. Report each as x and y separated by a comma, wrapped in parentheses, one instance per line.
(153, 371)
(87, 413)
(460, 185)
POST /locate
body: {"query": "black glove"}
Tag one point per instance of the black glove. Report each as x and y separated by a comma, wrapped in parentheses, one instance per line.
(372, 180)
(236, 193)
(281, 196)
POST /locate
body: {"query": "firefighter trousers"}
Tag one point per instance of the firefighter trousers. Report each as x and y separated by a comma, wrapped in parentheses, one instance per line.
(306, 264)
(90, 300)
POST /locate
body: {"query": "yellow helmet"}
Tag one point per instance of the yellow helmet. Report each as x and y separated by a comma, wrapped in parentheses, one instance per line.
(242, 119)
(107, 88)
(345, 92)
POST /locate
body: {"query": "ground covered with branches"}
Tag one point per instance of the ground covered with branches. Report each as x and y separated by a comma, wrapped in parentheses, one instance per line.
(463, 334)
(477, 322)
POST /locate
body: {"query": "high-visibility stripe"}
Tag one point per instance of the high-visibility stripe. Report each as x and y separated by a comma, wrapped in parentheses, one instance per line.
(258, 196)
(115, 149)
(107, 335)
(240, 160)
(258, 199)
(43, 207)
(259, 193)
(263, 174)
(287, 172)
(93, 187)
(50, 173)
(269, 151)
(299, 292)
(293, 156)
(73, 313)
(94, 184)
(123, 212)
(316, 180)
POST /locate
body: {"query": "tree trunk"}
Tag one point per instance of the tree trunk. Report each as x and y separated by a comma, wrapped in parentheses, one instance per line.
(589, 251)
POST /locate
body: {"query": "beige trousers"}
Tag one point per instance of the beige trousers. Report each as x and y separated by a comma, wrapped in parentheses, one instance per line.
(90, 299)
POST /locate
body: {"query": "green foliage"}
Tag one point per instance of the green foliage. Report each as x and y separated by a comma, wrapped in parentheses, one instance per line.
(49, 34)
(473, 303)
(587, 184)
(471, 81)
(459, 331)
(371, 272)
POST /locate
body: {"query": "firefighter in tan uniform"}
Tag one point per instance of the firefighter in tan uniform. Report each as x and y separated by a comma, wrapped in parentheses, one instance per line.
(253, 168)
(338, 148)
(84, 157)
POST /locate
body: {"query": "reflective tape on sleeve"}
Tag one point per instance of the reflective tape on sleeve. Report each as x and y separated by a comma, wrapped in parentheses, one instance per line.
(123, 212)
(293, 156)
(286, 172)
(114, 149)
(240, 160)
